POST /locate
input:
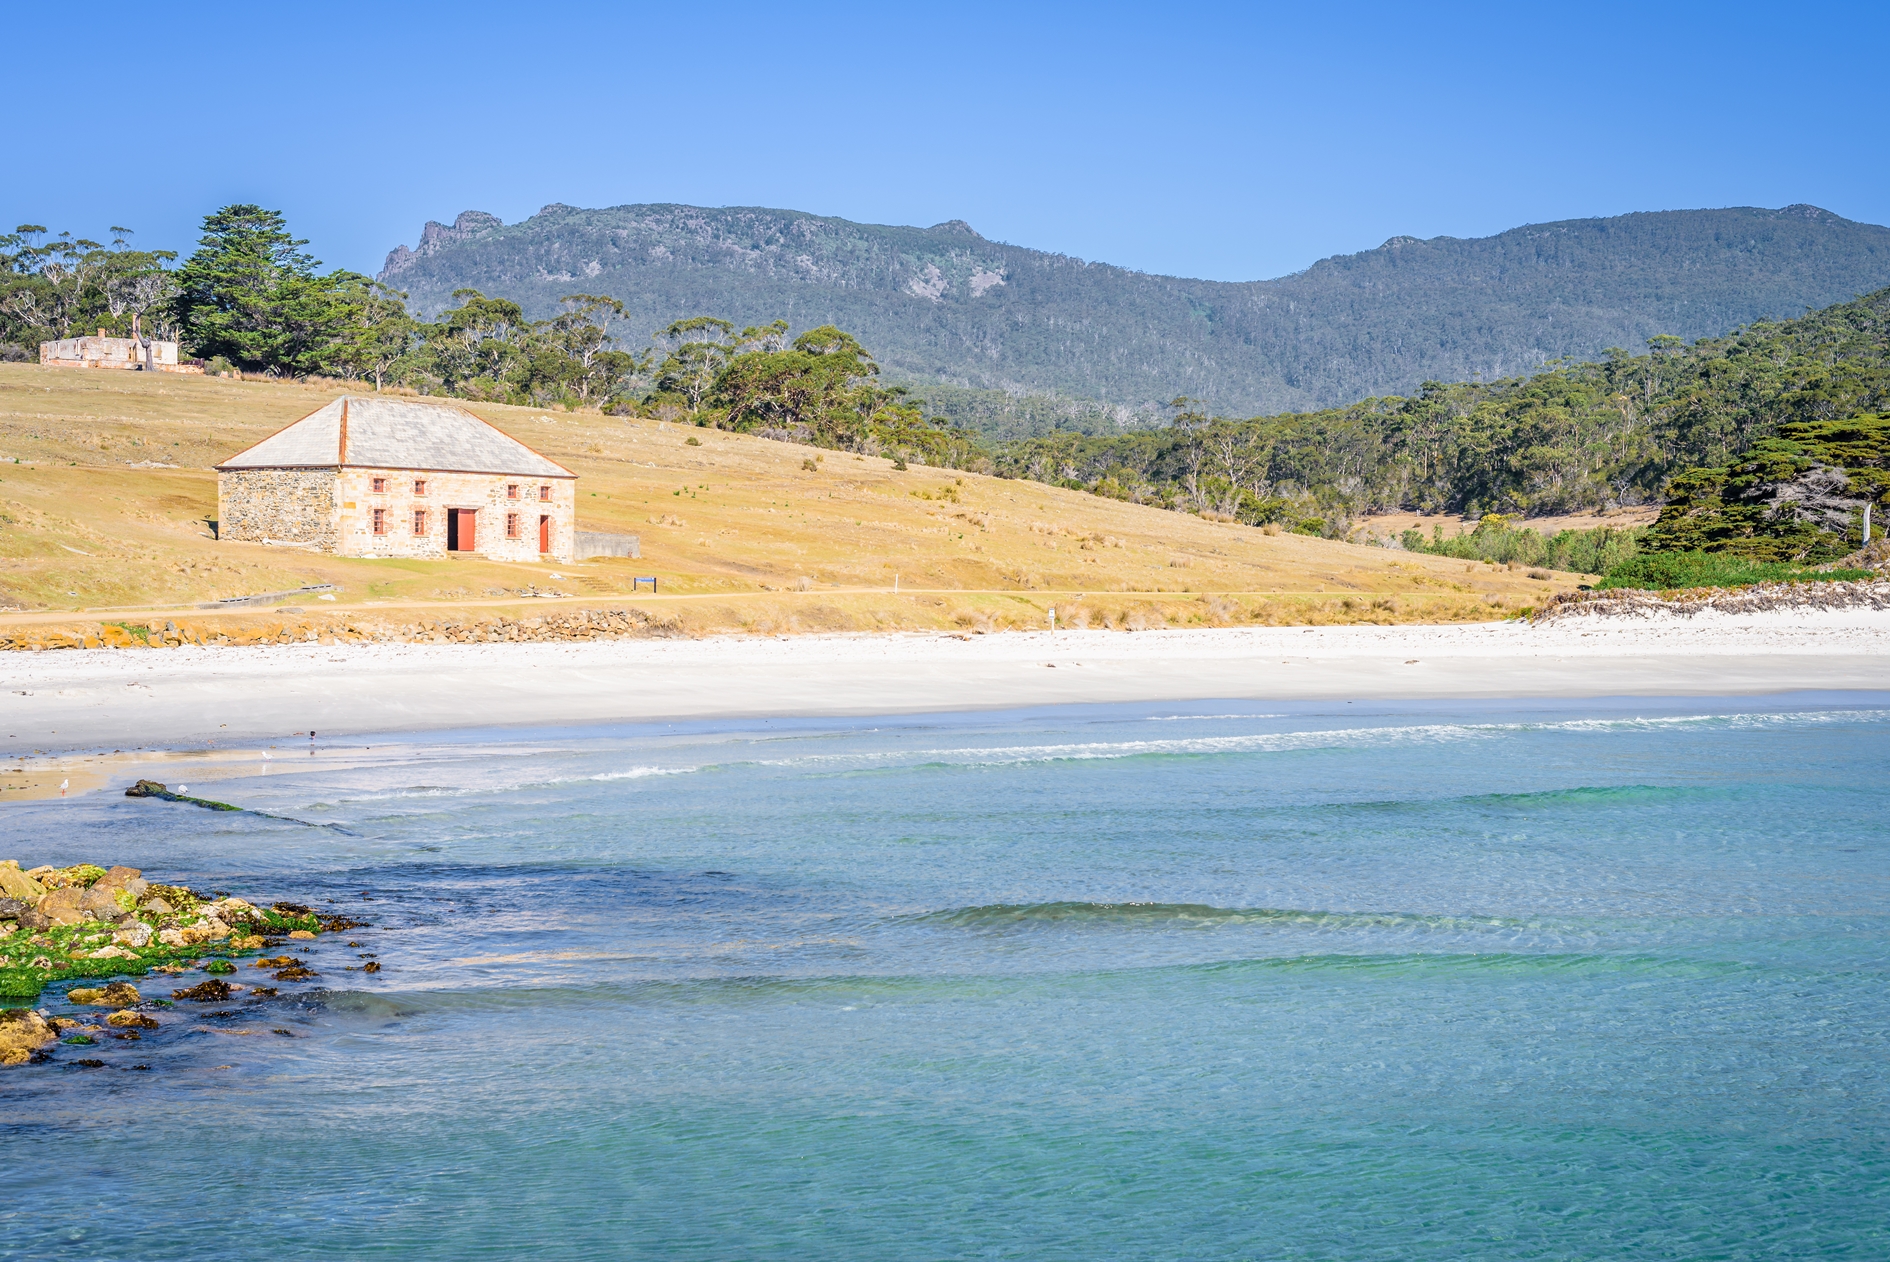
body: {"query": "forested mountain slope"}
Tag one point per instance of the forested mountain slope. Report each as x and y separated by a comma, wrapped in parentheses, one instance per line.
(944, 305)
(1578, 436)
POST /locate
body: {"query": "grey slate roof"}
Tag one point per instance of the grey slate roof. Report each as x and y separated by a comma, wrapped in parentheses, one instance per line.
(380, 433)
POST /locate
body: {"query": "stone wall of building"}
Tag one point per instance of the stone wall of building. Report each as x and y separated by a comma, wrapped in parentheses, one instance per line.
(113, 352)
(282, 505)
(495, 498)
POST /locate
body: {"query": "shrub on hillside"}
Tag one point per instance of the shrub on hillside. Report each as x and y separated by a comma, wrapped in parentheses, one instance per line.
(1593, 551)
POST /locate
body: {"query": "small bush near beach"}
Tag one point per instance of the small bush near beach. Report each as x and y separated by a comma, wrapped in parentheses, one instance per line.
(1673, 571)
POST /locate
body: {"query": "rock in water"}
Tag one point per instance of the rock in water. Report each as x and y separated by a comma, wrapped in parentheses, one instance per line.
(116, 995)
(212, 991)
(22, 1032)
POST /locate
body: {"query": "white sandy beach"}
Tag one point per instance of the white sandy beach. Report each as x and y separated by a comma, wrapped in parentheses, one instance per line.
(184, 697)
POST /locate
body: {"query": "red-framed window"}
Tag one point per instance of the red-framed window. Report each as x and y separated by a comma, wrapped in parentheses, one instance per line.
(511, 525)
(419, 486)
(544, 493)
(511, 490)
(419, 521)
(380, 486)
(380, 521)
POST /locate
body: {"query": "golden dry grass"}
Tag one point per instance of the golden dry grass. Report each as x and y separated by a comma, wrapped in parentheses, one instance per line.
(740, 532)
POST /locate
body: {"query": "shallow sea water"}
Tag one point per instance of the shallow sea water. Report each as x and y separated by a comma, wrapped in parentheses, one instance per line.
(1214, 980)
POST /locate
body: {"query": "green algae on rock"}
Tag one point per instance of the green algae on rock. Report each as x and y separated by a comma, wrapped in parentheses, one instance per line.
(57, 924)
(152, 789)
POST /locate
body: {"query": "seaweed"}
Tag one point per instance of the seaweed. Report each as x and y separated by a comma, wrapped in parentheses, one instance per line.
(32, 959)
(152, 789)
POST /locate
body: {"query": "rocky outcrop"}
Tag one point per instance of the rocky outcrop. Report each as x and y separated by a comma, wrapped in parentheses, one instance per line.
(90, 921)
(436, 236)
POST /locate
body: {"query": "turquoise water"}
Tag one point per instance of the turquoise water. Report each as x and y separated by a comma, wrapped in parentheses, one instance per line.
(1218, 980)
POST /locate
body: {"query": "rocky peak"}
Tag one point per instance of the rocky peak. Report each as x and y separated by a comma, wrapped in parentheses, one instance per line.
(436, 236)
(955, 227)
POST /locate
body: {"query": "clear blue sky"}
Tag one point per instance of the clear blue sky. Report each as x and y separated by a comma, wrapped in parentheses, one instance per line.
(1222, 141)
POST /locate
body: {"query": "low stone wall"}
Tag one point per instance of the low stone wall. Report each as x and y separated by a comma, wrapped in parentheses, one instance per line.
(593, 543)
(287, 505)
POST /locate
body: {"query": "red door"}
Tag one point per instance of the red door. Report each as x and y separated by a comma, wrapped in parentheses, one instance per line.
(544, 533)
(465, 534)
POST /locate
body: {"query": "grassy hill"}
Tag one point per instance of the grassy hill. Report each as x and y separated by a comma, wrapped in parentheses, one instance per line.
(944, 306)
(106, 493)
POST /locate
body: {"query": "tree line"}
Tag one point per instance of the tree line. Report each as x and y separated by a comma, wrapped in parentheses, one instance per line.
(1573, 437)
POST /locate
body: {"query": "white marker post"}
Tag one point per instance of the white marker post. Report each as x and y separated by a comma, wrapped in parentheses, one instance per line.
(1053, 620)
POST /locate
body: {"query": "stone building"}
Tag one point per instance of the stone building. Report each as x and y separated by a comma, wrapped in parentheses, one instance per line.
(128, 353)
(380, 477)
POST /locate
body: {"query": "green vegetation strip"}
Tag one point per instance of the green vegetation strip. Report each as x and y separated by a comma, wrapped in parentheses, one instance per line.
(1678, 571)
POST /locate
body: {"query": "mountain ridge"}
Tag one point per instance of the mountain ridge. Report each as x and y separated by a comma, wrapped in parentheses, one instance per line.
(946, 306)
